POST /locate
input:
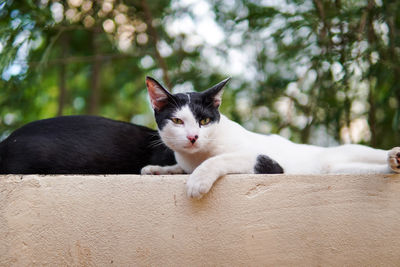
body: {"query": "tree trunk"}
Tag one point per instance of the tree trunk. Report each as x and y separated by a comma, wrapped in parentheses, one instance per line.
(95, 94)
(62, 82)
(371, 116)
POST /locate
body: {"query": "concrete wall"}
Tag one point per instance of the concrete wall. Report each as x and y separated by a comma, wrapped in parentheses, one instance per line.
(246, 220)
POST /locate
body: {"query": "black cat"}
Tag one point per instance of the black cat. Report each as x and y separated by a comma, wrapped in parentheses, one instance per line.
(82, 145)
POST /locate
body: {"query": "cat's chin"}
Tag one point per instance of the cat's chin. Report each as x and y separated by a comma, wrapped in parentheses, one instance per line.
(189, 149)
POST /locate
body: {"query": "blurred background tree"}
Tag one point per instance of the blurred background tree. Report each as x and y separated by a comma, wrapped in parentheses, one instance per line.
(315, 71)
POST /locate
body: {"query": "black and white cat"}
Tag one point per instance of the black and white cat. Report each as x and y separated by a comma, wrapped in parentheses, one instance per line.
(208, 145)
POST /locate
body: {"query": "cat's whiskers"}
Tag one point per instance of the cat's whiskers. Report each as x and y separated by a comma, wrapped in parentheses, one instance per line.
(156, 134)
(156, 143)
(175, 139)
(209, 138)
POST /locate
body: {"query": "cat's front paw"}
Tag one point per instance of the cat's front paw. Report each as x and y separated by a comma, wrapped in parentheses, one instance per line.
(394, 159)
(152, 169)
(157, 170)
(197, 186)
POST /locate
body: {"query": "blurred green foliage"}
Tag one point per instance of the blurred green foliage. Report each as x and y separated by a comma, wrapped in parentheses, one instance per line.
(323, 72)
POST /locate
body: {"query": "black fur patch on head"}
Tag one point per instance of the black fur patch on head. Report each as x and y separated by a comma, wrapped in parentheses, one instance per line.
(267, 165)
(175, 102)
(201, 106)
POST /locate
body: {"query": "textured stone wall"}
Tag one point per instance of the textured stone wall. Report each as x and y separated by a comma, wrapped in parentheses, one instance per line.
(247, 220)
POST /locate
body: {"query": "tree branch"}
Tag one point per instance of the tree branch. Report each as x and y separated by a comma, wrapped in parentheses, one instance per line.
(154, 36)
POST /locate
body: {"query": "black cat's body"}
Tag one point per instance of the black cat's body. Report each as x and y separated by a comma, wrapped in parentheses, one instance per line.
(82, 145)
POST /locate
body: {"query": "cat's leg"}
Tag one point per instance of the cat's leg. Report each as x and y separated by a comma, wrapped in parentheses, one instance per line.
(355, 153)
(204, 176)
(394, 159)
(358, 168)
(155, 169)
(363, 159)
(360, 159)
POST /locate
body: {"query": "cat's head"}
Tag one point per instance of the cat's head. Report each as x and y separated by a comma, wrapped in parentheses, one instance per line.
(186, 121)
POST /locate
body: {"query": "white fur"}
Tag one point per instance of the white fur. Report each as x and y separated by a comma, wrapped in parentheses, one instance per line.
(226, 147)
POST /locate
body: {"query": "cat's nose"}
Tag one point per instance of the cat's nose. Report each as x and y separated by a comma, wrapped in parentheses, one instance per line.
(192, 138)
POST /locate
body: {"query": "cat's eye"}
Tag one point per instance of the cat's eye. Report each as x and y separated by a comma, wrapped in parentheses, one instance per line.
(177, 121)
(205, 121)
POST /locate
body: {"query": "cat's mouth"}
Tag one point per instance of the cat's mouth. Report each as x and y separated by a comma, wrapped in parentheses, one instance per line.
(191, 146)
(185, 146)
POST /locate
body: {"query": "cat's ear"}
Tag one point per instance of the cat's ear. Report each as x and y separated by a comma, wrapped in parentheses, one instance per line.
(215, 93)
(158, 94)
